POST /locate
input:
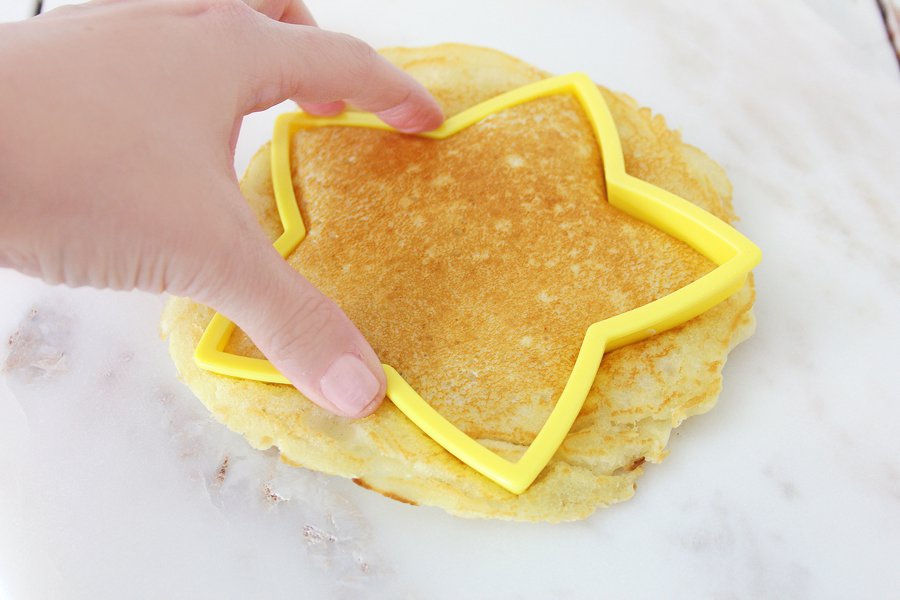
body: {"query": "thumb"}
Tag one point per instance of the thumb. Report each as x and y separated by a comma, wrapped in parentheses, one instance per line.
(301, 331)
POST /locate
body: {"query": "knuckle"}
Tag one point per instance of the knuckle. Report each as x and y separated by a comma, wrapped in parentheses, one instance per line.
(357, 47)
(205, 264)
(360, 57)
(233, 12)
(302, 327)
(198, 273)
(274, 9)
(226, 6)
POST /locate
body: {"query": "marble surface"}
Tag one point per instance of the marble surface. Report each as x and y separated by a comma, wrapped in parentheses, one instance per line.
(14, 10)
(116, 483)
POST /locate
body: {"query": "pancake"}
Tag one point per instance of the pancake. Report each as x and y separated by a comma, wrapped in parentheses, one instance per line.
(474, 265)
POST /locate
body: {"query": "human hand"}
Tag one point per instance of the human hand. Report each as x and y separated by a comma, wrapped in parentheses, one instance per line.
(118, 121)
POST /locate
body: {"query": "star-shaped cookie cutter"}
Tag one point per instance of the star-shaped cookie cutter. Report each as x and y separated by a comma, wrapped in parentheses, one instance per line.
(733, 254)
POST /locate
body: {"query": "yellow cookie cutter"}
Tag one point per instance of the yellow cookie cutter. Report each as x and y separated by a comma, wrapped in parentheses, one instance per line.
(734, 254)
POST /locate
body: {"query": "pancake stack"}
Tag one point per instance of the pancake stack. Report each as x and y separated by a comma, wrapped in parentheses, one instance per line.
(474, 265)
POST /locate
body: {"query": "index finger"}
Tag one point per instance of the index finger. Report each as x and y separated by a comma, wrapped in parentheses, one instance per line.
(315, 66)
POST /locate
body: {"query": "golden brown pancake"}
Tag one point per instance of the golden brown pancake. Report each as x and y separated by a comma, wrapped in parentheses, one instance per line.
(474, 265)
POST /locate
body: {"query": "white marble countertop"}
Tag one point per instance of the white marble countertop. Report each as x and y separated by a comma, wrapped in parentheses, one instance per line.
(16, 10)
(790, 488)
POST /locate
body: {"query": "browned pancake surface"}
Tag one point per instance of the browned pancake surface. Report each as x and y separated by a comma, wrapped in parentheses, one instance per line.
(475, 264)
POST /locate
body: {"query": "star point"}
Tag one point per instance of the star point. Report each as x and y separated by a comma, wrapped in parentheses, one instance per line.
(734, 255)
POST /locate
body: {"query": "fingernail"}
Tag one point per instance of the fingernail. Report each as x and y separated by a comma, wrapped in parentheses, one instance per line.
(349, 385)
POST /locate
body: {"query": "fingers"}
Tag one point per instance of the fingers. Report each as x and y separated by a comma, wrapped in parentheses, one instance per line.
(316, 67)
(303, 333)
(328, 109)
(286, 11)
(295, 12)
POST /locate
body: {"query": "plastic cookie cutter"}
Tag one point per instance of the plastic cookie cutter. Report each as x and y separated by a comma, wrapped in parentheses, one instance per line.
(733, 254)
